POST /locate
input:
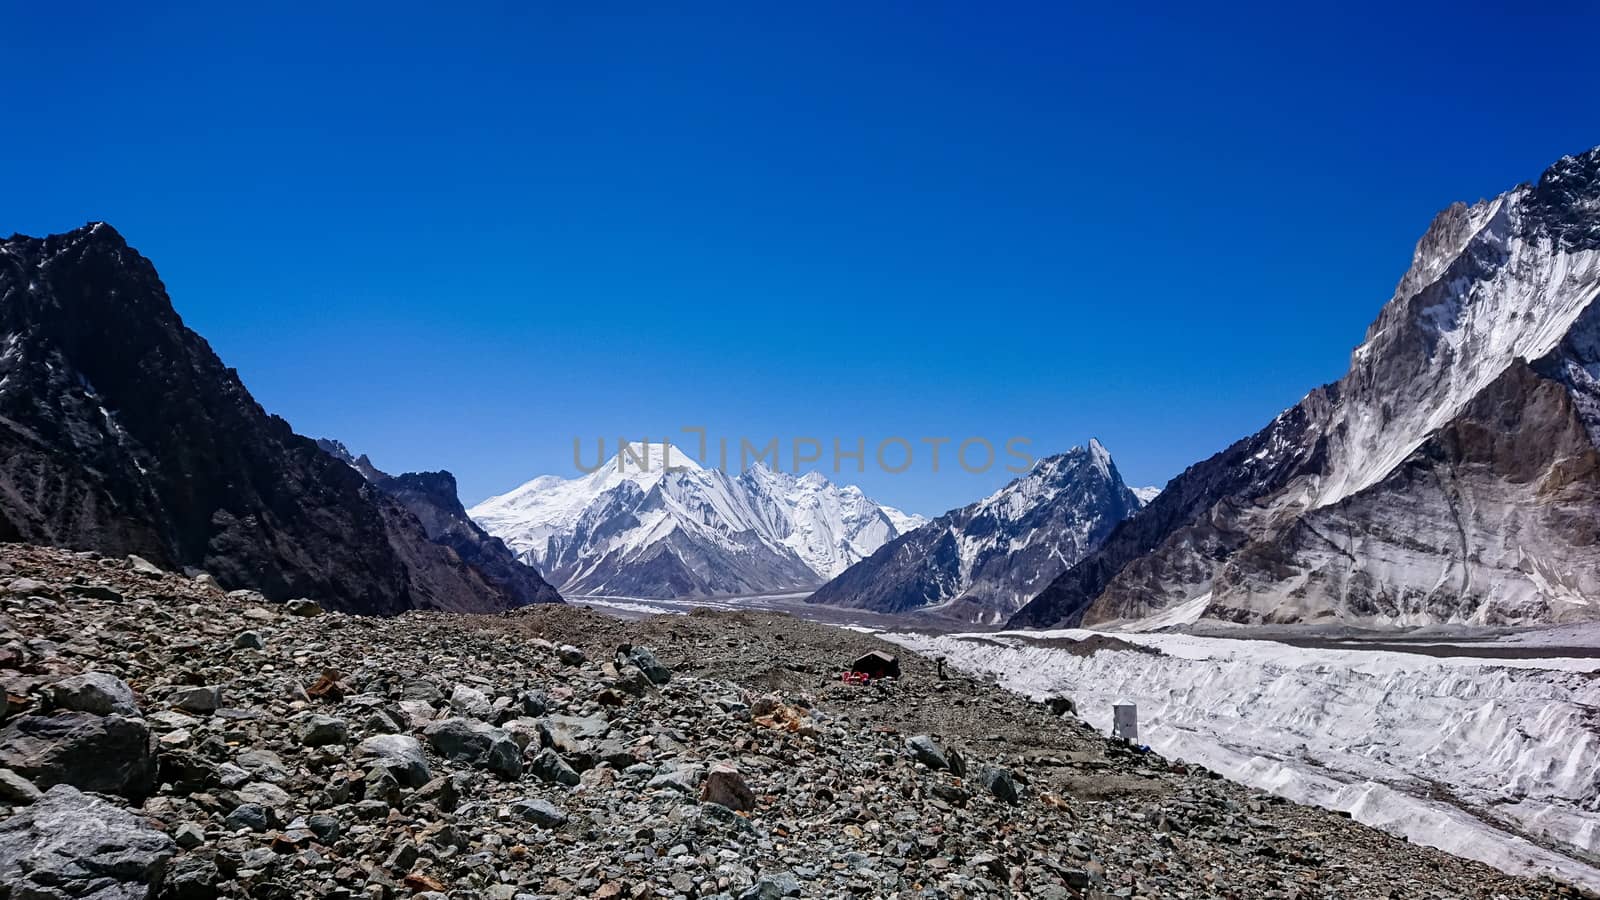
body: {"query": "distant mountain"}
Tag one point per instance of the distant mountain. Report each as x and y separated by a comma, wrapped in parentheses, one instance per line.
(982, 562)
(642, 531)
(121, 431)
(1452, 476)
(432, 498)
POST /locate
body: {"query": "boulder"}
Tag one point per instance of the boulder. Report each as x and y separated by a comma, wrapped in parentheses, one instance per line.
(540, 812)
(646, 662)
(303, 607)
(142, 566)
(399, 754)
(107, 754)
(320, 731)
(70, 845)
(999, 783)
(478, 743)
(724, 786)
(471, 702)
(199, 700)
(94, 692)
(549, 766)
(936, 756)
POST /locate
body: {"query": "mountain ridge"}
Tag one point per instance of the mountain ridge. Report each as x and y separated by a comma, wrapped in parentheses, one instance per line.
(983, 561)
(1491, 287)
(123, 432)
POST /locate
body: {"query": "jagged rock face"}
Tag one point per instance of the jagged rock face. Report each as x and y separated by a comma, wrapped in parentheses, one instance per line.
(121, 431)
(634, 528)
(1443, 479)
(432, 498)
(984, 561)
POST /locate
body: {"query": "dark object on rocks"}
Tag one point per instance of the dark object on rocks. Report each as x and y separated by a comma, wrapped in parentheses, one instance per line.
(477, 742)
(106, 754)
(1062, 706)
(935, 756)
(540, 812)
(999, 783)
(327, 687)
(549, 766)
(571, 655)
(303, 607)
(724, 786)
(95, 692)
(646, 662)
(877, 664)
(70, 845)
(248, 640)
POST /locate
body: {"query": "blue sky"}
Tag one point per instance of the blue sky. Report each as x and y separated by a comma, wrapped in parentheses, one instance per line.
(462, 237)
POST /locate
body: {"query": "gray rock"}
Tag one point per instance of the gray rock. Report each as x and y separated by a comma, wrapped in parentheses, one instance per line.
(253, 816)
(70, 845)
(773, 887)
(106, 754)
(191, 878)
(142, 566)
(16, 790)
(540, 812)
(999, 783)
(401, 755)
(471, 702)
(549, 766)
(320, 731)
(478, 743)
(685, 779)
(571, 655)
(249, 640)
(95, 692)
(646, 662)
(303, 607)
(199, 700)
(934, 755)
(326, 828)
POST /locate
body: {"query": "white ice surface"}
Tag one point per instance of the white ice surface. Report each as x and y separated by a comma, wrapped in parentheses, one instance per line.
(1371, 733)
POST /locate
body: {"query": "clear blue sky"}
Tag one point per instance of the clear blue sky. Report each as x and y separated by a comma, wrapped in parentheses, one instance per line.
(460, 236)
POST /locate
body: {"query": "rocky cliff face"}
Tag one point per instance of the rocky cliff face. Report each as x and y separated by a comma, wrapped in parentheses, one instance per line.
(982, 562)
(432, 498)
(1448, 477)
(121, 431)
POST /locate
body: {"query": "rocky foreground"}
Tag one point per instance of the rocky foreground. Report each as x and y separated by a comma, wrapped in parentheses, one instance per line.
(162, 738)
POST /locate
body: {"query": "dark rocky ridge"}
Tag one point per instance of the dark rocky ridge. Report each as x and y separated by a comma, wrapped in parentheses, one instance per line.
(121, 431)
(433, 499)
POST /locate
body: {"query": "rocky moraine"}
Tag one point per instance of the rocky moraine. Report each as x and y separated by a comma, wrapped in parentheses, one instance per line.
(163, 738)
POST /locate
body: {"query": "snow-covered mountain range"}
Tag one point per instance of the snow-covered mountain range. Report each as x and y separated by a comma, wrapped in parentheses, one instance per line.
(982, 562)
(638, 527)
(1451, 476)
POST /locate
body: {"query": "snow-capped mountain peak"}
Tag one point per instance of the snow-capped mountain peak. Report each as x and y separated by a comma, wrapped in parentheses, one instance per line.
(983, 561)
(655, 523)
